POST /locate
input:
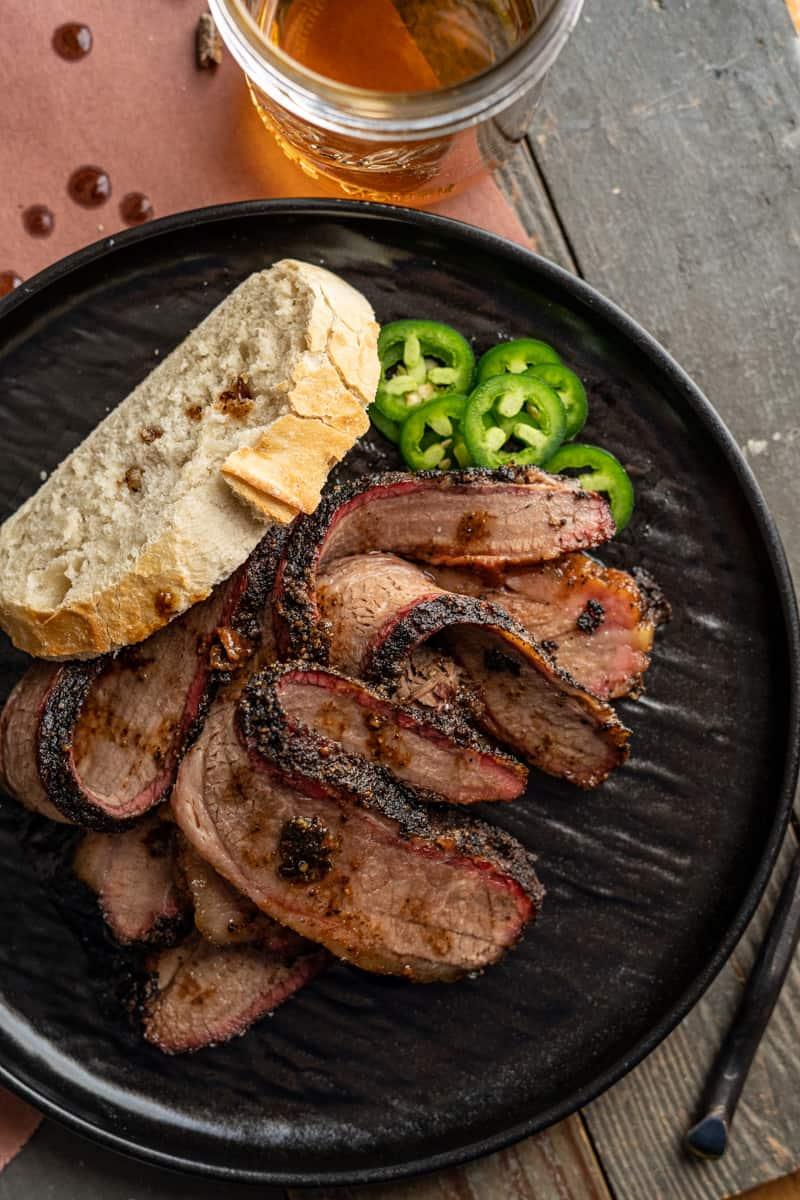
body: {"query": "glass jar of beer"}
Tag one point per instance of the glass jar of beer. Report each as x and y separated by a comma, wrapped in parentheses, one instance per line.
(398, 100)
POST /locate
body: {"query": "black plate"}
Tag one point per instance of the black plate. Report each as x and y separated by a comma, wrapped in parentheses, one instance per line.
(651, 878)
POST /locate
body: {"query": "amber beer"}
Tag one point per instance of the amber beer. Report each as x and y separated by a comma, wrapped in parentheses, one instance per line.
(404, 100)
(398, 45)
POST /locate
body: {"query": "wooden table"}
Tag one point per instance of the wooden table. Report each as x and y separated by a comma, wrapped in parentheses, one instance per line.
(662, 167)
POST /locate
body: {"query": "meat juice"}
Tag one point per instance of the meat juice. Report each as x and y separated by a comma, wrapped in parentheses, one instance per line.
(391, 46)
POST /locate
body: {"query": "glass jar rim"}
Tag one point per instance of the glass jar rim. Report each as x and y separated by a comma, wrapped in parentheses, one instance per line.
(383, 116)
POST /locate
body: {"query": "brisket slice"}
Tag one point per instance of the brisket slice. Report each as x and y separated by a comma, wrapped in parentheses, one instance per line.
(484, 518)
(221, 914)
(441, 757)
(133, 875)
(200, 994)
(19, 726)
(596, 622)
(380, 610)
(100, 741)
(333, 847)
(434, 680)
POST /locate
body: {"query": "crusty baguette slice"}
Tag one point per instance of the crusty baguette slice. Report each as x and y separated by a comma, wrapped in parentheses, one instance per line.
(138, 523)
(291, 460)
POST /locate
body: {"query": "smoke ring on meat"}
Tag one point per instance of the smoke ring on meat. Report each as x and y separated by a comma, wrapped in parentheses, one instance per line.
(484, 518)
(418, 746)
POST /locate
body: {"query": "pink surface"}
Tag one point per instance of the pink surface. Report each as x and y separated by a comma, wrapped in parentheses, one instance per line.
(17, 1122)
(137, 107)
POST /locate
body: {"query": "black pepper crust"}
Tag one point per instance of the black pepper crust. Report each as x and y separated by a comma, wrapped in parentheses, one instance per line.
(300, 632)
(60, 712)
(655, 605)
(251, 591)
(305, 848)
(248, 615)
(386, 658)
(167, 931)
(276, 726)
(313, 764)
(249, 594)
(591, 618)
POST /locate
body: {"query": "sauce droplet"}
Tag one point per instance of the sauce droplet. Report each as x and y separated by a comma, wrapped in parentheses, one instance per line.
(8, 281)
(72, 41)
(135, 208)
(38, 220)
(89, 186)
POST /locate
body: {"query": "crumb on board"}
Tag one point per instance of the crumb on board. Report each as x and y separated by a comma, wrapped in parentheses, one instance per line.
(207, 43)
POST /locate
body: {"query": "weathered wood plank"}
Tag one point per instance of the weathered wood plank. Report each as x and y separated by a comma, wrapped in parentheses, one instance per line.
(779, 1189)
(675, 177)
(669, 137)
(557, 1165)
(522, 184)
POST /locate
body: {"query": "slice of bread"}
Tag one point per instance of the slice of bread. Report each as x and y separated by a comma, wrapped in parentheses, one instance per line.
(139, 523)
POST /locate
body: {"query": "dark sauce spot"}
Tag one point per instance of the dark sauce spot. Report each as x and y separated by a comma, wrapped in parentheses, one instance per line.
(159, 840)
(38, 220)
(135, 208)
(306, 847)
(89, 186)
(194, 412)
(72, 41)
(8, 281)
(133, 658)
(496, 660)
(237, 400)
(229, 649)
(165, 603)
(150, 433)
(471, 527)
(592, 617)
(134, 479)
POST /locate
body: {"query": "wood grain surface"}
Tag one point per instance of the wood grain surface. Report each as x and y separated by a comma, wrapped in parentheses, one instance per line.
(787, 1188)
(669, 139)
(558, 1164)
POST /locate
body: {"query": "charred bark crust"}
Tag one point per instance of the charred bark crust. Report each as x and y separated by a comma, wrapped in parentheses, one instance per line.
(315, 765)
(244, 610)
(450, 725)
(299, 631)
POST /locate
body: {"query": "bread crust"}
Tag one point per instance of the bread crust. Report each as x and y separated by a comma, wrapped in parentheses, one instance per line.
(330, 384)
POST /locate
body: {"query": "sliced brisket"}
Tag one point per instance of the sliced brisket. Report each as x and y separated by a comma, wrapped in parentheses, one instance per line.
(19, 730)
(335, 848)
(133, 874)
(221, 914)
(100, 741)
(201, 994)
(488, 518)
(432, 678)
(437, 754)
(596, 622)
(380, 610)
